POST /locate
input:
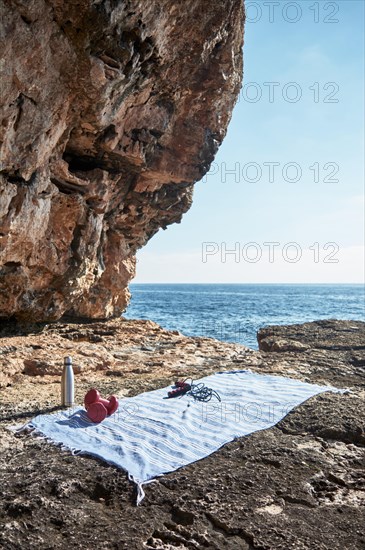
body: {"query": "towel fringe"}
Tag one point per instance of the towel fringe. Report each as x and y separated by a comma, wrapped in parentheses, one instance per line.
(139, 484)
(29, 429)
(21, 428)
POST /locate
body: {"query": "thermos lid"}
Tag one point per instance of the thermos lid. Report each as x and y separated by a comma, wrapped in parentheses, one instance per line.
(68, 360)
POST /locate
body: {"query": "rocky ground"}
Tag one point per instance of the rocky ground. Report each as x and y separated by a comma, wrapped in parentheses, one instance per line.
(299, 485)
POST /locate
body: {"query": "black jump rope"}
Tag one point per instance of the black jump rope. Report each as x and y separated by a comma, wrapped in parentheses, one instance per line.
(199, 391)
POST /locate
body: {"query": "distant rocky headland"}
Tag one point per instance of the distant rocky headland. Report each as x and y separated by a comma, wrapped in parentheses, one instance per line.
(300, 484)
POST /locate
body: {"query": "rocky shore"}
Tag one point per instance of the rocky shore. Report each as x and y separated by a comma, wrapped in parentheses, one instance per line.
(299, 485)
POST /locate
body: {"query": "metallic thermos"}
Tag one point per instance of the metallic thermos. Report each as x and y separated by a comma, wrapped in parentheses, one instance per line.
(67, 383)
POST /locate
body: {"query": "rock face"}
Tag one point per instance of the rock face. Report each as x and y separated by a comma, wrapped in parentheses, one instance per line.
(110, 112)
(328, 335)
(299, 485)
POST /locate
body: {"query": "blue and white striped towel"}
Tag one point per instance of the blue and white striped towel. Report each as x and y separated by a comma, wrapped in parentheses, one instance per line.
(149, 435)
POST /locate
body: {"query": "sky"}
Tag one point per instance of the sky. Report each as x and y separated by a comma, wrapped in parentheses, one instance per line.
(283, 201)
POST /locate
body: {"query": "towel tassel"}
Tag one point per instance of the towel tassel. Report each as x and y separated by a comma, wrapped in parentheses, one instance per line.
(139, 484)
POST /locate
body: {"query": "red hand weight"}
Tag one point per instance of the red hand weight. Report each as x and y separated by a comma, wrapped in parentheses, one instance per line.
(97, 407)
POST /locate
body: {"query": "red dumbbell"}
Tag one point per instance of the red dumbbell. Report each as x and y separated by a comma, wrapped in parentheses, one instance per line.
(99, 408)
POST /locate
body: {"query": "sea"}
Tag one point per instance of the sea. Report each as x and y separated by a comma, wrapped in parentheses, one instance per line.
(235, 312)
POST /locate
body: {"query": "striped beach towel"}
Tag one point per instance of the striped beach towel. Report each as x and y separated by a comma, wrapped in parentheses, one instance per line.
(149, 435)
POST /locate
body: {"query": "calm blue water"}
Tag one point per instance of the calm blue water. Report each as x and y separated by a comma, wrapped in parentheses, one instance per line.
(234, 313)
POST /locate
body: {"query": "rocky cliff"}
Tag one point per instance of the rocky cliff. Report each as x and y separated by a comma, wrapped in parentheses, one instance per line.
(110, 112)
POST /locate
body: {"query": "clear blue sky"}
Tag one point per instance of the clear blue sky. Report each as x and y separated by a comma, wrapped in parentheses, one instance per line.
(324, 130)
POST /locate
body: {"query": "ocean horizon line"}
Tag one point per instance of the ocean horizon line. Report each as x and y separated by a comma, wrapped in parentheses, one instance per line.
(257, 284)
